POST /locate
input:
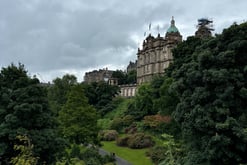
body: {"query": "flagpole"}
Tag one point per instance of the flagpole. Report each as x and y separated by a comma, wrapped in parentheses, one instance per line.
(149, 28)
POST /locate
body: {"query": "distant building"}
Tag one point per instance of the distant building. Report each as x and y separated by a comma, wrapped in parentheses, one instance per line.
(131, 66)
(156, 54)
(98, 75)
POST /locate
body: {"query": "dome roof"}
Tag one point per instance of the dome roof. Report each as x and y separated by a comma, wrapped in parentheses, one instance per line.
(172, 28)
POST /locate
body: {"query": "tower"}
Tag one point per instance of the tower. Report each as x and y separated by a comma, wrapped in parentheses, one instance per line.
(172, 35)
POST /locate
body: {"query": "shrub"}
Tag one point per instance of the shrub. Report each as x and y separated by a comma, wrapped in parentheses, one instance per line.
(108, 135)
(153, 121)
(135, 141)
(131, 129)
(75, 151)
(104, 123)
(116, 124)
(157, 154)
(173, 150)
(119, 123)
(159, 124)
(123, 141)
(140, 140)
(128, 120)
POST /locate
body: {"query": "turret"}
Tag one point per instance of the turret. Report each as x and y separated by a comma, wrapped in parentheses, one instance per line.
(172, 33)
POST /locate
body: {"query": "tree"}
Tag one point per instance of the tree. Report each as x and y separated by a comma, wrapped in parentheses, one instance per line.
(212, 88)
(131, 77)
(100, 94)
(142, 104)
(58, 91)
(166, 100)
(120, 75)
(24, 110)
(125, 78)
(78, 119)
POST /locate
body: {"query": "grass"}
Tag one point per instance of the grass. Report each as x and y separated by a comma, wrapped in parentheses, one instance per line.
(134, 156)
(119, 111)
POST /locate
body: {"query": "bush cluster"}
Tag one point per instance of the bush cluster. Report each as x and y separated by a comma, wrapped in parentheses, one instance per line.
(136, 141)
(123, 141)
(131, 129)
(108, 135)
(120, 123)
(157, 154)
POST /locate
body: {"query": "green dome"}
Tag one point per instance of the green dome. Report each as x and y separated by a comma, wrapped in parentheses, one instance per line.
(172, 29)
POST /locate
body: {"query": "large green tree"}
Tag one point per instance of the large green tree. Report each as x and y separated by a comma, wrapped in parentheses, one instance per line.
(24, 110)
(120, 75)
(100, 94)
(142, 104)
(131, 77)
(211, 83)
(78, 119)
(125, 78)
(58, 91)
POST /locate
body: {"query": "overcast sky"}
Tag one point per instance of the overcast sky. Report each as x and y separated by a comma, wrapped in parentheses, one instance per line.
(55, 37)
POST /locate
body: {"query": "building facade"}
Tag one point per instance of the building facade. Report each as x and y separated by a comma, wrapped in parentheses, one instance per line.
(156, 54)
(98, 75)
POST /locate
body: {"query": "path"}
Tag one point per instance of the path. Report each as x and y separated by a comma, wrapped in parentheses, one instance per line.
(119, 161)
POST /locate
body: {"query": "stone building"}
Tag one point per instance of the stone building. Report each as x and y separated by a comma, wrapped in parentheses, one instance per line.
(131, 66)
(156, 54)
(98, 75)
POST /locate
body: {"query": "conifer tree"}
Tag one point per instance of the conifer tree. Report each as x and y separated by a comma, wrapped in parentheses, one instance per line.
(78, 119)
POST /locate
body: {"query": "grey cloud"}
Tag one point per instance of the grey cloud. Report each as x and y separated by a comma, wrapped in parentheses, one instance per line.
(52, 37)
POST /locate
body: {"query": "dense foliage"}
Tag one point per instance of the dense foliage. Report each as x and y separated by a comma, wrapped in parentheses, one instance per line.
(100, 94)
(108, 135)
(210, 79)
(136, 141)
(78, 119)
(24, 110)
(58, 92)
(25, 155)
(125, 78)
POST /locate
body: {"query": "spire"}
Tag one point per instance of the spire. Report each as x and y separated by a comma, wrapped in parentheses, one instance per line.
(172, 21)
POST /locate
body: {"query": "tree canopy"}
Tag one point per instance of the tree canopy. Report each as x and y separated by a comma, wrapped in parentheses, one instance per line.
(210, 80)
(78, 119)
(100, 94)
(24, 110)
(58, 91)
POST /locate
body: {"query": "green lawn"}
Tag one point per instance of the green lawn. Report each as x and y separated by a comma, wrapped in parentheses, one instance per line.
(134, 156)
